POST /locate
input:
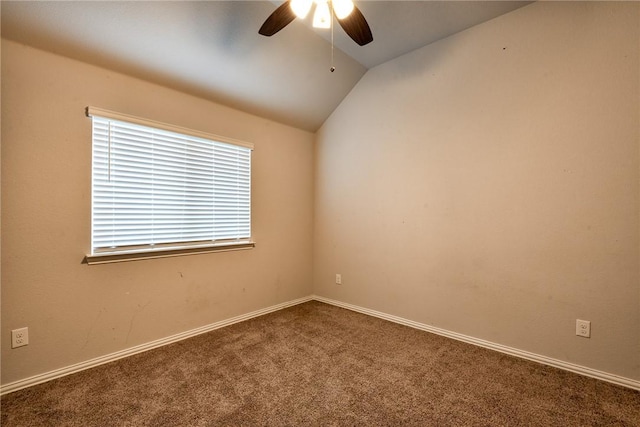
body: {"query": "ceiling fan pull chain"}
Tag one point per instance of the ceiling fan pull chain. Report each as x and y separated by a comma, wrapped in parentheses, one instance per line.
(332, 69)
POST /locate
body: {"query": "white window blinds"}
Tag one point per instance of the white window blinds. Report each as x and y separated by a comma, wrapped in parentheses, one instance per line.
(155, 187)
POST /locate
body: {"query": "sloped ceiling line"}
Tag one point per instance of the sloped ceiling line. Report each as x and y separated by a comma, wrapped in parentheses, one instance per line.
(213, 49)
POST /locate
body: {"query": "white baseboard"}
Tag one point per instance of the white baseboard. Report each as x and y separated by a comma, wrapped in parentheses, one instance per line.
(582, 370)
(57, 373)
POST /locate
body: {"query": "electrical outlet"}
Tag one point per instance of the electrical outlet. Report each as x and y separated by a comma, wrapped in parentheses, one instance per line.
(583, 328)
(19, 337)
(338, 279)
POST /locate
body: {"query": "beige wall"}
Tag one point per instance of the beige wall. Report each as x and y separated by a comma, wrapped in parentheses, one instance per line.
(77, 312)
(488, 184)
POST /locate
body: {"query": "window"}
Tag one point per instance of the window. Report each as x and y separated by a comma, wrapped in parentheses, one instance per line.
(160, 190)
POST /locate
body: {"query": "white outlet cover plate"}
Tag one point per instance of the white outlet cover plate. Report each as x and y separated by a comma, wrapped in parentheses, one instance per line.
(19, 337)
(583, 328)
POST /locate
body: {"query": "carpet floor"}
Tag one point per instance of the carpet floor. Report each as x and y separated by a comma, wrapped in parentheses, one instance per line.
(319, 365)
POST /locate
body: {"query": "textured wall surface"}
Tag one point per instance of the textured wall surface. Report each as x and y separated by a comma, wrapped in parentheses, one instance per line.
(488, 184)
(76, 312)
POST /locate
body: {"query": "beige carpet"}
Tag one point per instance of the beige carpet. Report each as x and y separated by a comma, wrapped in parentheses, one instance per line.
(319, 365)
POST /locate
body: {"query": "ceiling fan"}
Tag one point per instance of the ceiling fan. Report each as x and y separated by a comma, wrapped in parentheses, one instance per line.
(349, 17)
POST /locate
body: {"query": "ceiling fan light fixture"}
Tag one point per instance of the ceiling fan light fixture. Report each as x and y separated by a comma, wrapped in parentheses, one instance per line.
(355, 25)
(301, 7)
(342, 8)
(322, 15)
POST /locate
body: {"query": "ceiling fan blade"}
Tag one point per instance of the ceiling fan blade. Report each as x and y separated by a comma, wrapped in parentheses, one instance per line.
(279, 19)
(357, 27)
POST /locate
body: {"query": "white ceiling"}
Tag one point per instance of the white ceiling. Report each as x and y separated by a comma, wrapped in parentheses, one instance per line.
(212, 49)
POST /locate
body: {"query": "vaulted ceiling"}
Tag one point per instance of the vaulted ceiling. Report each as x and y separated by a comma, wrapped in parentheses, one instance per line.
(212, 49)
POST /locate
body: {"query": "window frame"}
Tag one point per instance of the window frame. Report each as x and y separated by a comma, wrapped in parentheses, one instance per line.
(150, 251)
